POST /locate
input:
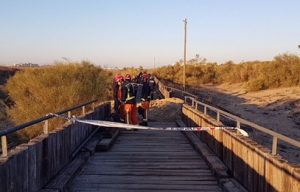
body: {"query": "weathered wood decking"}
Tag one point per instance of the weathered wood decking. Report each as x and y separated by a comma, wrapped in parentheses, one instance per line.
(146, 161)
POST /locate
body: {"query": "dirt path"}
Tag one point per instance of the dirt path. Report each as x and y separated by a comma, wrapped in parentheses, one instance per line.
(165, 110)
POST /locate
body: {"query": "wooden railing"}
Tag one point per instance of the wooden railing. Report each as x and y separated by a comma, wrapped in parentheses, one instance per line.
(253, 165)
(250, 163)
(162, 88)
(30, 166)
(45, 119)
(193, 100)
(239, 121)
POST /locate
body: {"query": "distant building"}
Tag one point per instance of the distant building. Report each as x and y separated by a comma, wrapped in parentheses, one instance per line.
(26, 65)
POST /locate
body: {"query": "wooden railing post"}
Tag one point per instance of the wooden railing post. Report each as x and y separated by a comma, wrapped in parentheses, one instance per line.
(238, 124)
(69, 115)
(274, 145)
(4, 146)
(218, 116)
(93, 106)
(205, 110)
(46, 127)
(127, 118)
(83, 110)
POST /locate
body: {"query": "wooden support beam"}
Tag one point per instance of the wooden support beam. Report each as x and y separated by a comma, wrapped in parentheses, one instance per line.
(4, 146)
(274, 145)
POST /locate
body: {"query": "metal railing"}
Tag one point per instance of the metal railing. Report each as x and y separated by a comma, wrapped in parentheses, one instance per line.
(45, 119)
(276, 136)
(239, 121)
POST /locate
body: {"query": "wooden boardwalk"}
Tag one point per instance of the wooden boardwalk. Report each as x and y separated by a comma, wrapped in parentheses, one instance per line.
(146, 161)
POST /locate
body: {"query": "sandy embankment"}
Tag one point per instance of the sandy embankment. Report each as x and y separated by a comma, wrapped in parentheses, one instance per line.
(276, 109)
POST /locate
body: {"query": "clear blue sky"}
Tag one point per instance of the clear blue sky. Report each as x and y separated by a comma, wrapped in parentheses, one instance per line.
(131, 33)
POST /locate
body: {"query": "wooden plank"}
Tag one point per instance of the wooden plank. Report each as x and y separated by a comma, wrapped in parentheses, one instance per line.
(244, 159)
(123, 170)
(231, 185)
(92, 143)
(103, 159)
(237, 162)
(137, 180)
(164, 166)
(148, 164)
(141, 161)
(49, 190)
(145, 178)
(36, 175)
(227, 150)
(214, 162)
(61, 180)
(191, 153)
(135, 156)
(106, 143)
(138, 145)
(148, 150)
(154, 148)
(146, 173)
(14, 174)
(138, 190)
(22, 168)
(4, 174)
(101, 186)
(250, 170)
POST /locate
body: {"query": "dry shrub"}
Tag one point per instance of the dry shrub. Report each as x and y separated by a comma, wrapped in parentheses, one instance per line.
(38, 91)
(282, 71)
(255, 85)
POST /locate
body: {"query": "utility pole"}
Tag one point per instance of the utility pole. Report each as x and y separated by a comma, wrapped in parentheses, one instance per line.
(184, 54)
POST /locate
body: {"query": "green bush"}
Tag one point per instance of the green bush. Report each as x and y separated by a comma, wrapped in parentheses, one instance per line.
(38, 91)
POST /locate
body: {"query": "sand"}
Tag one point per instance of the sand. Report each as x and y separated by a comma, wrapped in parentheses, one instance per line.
(277, 109)
(165, 110)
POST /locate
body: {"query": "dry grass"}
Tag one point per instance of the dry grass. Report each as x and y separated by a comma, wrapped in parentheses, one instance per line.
(38, 91)
(283, 71)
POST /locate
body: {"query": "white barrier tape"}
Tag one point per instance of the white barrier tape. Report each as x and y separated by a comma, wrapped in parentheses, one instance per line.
(129, 126)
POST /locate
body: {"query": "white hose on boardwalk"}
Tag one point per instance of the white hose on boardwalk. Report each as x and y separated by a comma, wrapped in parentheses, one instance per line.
(129, 126)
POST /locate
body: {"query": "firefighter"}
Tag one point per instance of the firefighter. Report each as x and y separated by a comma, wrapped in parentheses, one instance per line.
(129, 100)
(139, 78)
(152, 86)
(117, 85)
(146, 97)
(115, 92)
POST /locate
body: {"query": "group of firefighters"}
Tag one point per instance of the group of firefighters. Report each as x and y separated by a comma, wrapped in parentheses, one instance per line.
(132, 97)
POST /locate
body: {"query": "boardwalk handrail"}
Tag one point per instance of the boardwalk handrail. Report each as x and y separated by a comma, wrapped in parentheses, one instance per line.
(5, 132)
(276, 136)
